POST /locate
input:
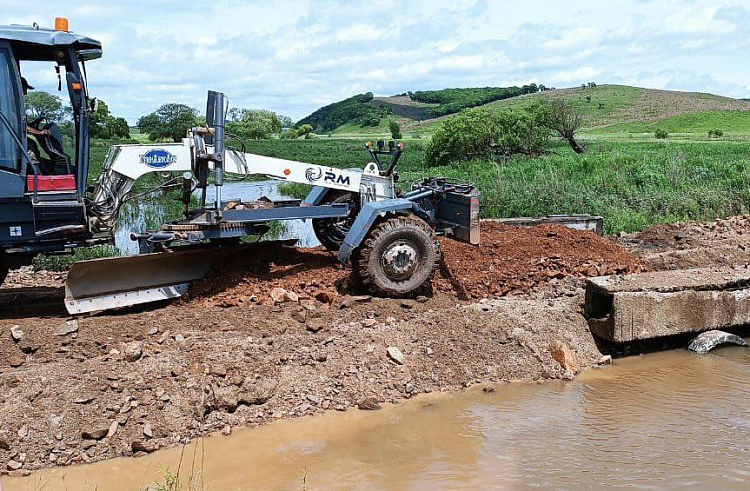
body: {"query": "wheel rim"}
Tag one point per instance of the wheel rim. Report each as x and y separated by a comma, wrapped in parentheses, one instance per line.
(400, 259)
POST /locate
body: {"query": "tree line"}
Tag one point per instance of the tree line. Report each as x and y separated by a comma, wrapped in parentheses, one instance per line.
(102, 124)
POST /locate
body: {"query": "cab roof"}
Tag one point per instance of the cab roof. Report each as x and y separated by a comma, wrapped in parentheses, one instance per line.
(38, 44)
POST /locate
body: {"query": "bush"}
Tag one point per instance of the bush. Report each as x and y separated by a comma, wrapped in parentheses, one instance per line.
(63, 262)
(482, 133)
(395, 130)
(661, 134)
(715, 133)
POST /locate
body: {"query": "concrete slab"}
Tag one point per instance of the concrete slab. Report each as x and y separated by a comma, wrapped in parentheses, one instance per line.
(625, 308)
(576, 222)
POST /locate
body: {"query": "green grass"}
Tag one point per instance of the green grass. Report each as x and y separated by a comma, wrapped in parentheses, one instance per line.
(730, 122)
(631, 184)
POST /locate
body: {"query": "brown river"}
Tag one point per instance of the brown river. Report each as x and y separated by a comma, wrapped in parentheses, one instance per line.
(665, 420)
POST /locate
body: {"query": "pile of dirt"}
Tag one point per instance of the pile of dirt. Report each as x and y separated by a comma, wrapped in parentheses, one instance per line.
(511, 260)
(723, 242)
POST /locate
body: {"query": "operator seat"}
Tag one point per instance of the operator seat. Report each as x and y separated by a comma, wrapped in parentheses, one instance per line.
(47, 136)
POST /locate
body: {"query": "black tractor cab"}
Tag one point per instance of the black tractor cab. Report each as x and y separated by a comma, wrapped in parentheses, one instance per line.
(42, 188)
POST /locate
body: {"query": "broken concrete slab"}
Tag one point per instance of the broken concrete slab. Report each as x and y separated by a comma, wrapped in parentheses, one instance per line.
(623, 308)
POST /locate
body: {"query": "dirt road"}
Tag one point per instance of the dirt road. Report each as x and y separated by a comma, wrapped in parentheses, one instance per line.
(265, 340)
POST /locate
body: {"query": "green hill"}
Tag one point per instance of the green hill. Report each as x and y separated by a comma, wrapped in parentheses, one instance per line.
(609, 109)
(364, 110)
(606, 110)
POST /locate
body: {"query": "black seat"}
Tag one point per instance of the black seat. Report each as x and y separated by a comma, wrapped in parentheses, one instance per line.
(51, 142)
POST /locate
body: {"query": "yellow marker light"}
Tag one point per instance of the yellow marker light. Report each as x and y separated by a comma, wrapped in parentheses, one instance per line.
(61, 24)
(76, 86)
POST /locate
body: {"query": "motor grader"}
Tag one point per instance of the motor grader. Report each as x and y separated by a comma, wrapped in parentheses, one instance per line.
(46, 206)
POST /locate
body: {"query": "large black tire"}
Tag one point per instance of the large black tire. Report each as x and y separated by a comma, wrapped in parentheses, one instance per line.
(331, 232)
(398, 257)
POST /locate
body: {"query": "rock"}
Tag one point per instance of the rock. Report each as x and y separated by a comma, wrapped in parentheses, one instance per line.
(605, 360)
(179, 338)
(395, 354)
(564, 356)
(315, 324)
(84, 400)
(278, 295)
(367, 404)
(147, 431)
(323, 296)
(369, 322)
(4, 445)
(705, 342)
(113, 429)
(227, 430)
(14, 465)
(300, 315)
(132, 351)
(95, 433)
(16, 333)
(69, 327)
(407, 304)
(351, 301)
(16, 360)
(147, 447)
(23, 432)
(428, 350)
(291, 297)
(153, 331)
(422, 299)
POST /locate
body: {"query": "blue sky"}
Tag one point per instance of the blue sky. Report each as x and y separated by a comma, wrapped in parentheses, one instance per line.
(294, 56)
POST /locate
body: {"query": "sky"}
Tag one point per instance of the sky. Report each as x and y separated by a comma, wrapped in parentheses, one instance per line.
(294, 56)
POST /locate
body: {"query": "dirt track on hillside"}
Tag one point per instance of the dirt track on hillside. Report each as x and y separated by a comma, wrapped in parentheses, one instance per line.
(75, 391)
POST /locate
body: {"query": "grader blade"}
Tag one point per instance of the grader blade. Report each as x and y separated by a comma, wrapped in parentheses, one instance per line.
(111, 283)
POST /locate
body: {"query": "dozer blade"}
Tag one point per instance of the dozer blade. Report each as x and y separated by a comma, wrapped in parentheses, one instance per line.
(103, 284)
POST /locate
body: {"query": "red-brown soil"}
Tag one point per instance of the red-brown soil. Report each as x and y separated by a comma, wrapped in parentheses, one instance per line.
(510, 260)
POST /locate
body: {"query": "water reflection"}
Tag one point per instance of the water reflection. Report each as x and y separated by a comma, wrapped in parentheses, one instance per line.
(150, 213)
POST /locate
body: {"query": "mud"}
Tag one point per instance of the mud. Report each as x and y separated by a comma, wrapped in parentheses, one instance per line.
(237, 352)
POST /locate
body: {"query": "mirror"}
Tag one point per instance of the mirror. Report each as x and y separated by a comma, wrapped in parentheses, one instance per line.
(93, 105)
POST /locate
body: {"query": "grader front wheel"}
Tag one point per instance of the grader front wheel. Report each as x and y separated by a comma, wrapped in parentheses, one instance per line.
(398, 256)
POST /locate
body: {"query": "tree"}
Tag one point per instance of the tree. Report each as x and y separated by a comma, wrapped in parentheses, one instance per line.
(255, 124)
(294, 133)
(565, 121)
(103, 125)
(43, 104)
(395, 129)
(169, 122)
(483, 133)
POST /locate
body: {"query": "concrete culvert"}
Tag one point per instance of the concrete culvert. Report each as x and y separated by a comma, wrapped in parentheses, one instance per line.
(705, 342)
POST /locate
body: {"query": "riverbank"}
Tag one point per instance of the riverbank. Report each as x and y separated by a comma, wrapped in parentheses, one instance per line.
(246, 351)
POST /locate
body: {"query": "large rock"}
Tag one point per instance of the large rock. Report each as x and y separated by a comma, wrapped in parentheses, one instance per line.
(68, 327)
(16, 333)
(565, 356)
(708, 340)
(395, 354)
(96, 433)
(132, 351)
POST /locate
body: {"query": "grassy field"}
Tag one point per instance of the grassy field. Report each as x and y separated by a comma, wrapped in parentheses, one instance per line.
(615, 110)
(631, 184)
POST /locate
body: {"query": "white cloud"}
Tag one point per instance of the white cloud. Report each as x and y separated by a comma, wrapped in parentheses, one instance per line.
(293, 56)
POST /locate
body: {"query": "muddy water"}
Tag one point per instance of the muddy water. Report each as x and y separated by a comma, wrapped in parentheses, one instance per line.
(658, 421)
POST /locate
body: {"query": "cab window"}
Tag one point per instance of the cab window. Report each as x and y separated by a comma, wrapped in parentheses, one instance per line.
(10, 156)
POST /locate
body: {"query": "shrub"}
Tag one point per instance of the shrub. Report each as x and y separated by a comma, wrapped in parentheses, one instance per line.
(661, 134)
(395, 129)
(482, 133)
(717, 133)
(63, 262)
